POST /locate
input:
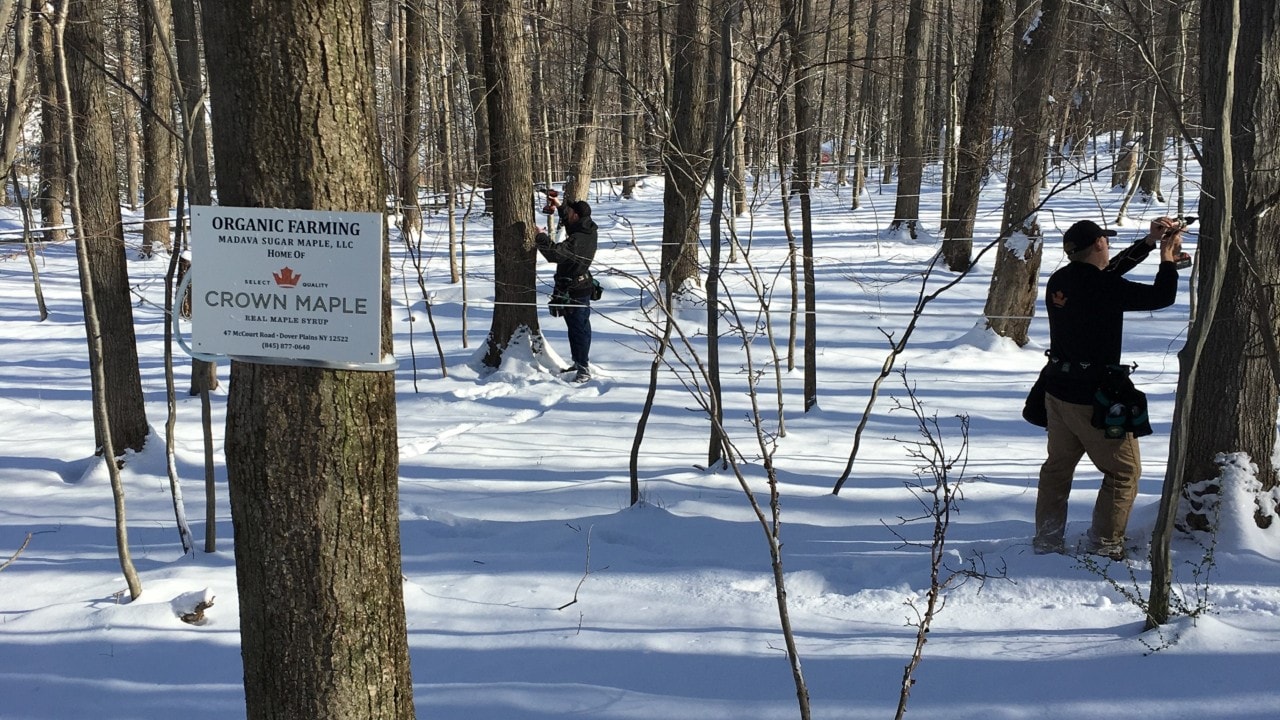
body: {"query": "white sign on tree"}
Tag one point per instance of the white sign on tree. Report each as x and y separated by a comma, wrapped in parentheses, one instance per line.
(287, 284)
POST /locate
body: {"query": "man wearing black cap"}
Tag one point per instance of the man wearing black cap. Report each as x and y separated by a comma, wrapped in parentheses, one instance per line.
(571, 297)
(1086, 301)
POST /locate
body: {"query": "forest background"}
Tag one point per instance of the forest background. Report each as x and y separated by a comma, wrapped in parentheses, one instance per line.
(714, 97)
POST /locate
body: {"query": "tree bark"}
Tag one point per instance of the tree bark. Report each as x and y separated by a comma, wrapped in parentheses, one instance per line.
(186, 35)
(1220, 30)
(411, 134)
(586, 133)
(911, 142)
(627, 99)
(503, 38)
(469, 37)
(312, 460)
(1238, 404)
(101, 224)
(159, 161)
(685, 156)
(448, 172)
(849, 116)
(1015, 283)
(53, 186)
(974, 152)
(95, 330)
(800, 21)
(128, 111)
(15, 110)
(868, 106)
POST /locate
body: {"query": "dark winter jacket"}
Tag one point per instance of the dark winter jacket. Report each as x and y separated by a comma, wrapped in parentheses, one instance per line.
(1086, 309)
(572, 257)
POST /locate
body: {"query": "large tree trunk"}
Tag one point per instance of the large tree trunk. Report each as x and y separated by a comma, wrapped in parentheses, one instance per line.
(515, 272)
(1220, 30)
(975, 137)
(100, 207)
(1236, 408)
(911, 143)
(94, 328)
(312, 459)
(158, 160)
(685, 155)
(1015, 283)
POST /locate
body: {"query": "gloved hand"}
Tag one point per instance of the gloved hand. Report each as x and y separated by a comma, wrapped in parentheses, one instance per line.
(542, 239)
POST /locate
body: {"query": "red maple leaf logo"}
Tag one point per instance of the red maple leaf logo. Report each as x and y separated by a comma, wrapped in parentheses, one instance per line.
(1058, 299)
(286, 278)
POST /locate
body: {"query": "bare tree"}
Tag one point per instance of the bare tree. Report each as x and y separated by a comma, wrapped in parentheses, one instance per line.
(197, 163)
(868, 121)
(1239, 363)
(1015, 281)
(586, 134)
(15, 109)
(53, 174)
(413, 17)
(1221, 26)
(628, 102)
(1230, 368)
(469, 39)
(312, 461)
(974, 152)
(70, 13)
(911, 143)
(101, 224)
(503, 38)
(127, 105)
(159, 145)
(801, 24)
(684, 156)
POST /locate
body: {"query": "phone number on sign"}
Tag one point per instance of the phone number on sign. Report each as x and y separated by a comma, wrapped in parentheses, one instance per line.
(284, 346)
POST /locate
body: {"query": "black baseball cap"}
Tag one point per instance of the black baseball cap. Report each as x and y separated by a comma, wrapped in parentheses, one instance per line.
(1082, 235)
(581, 207)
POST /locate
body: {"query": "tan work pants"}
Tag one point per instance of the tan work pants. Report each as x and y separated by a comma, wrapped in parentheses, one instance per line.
(1071, 436)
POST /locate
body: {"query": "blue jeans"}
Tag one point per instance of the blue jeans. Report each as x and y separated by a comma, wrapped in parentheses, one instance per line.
(577, 318)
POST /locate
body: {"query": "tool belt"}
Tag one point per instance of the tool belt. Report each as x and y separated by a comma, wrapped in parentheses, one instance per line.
(1119, 408)
(1082, 369)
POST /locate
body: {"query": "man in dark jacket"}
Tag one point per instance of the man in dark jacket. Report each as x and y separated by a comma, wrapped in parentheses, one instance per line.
(1086, 301)
(571, 297)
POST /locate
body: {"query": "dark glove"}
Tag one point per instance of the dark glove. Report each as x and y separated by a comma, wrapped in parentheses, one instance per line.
(542, 240)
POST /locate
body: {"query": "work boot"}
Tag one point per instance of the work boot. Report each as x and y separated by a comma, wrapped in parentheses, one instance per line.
(584, 374)
(1105, 548)
(1048, 547)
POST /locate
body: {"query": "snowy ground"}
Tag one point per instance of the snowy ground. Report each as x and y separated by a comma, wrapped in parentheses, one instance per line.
(514, 487)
